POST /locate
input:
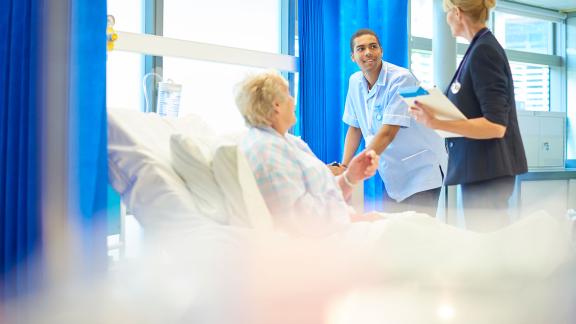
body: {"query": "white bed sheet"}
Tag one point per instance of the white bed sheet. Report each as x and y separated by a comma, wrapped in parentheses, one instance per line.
(178, 173)
(140, 169)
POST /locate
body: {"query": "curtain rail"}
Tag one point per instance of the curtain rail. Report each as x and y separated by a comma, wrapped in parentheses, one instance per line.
(165, 46)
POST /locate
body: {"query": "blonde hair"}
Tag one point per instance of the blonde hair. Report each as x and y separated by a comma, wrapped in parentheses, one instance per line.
(478, 10)
(255, 97)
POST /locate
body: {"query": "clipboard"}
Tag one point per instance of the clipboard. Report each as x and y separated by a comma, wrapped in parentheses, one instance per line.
(443, 108)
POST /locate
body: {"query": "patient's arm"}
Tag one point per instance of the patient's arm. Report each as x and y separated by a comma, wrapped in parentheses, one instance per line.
(362, 166)
(300, 192)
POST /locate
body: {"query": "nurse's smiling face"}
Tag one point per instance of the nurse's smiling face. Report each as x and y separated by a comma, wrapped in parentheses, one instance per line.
(367, 53)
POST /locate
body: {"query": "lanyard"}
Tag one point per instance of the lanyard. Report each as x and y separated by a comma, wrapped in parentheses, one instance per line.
(456, 84)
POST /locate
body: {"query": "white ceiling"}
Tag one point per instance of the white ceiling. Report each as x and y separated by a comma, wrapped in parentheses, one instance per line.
(560, 5)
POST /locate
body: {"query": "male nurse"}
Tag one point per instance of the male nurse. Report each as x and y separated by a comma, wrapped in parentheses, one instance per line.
(413, 157)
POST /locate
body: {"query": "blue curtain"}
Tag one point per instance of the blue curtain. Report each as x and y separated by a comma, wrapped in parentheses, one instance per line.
(88, 172)
(324, 29)
(21, 62)
(20, 223)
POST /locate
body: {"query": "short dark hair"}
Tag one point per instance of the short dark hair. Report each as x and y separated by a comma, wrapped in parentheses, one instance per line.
(362, 32)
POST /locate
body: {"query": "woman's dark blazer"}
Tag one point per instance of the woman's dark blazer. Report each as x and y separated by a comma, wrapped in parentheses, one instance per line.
(487, 90)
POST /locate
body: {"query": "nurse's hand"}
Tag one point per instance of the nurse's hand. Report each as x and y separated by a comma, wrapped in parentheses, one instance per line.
(336, 169)
(423, 114)
(362, 166)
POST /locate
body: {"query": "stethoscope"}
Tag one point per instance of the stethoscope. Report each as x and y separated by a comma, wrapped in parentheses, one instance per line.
(456, 85)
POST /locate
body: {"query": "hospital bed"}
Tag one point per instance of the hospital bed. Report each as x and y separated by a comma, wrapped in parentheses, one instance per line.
(192, 190)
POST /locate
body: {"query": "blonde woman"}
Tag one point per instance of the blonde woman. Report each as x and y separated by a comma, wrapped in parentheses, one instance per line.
(302, 194)
(486, 160)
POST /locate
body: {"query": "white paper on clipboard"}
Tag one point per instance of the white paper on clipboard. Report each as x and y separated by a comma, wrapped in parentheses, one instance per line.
(442, 106)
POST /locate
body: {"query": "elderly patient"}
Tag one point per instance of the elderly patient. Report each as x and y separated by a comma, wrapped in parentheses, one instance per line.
(304, 197)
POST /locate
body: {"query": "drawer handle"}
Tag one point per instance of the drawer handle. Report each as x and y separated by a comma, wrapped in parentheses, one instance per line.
(546, 146)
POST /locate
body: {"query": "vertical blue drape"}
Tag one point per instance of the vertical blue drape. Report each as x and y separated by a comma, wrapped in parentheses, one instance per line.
(324, 29)
(20, 224)
(88, 173)
(21, 63)
(312, 83)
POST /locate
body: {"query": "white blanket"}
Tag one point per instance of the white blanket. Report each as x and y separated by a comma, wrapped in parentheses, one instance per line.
(416, 246)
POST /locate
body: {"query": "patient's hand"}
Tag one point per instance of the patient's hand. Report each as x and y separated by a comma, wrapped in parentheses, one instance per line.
(363, 166)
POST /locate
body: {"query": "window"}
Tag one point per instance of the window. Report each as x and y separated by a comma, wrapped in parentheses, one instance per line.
(532, 75)
(532, 80)
(524, 33)
(254, 27)
(253, 24)
(208, 87)
(123, 69)
(421, 65)
(421, 15)
(531, 86)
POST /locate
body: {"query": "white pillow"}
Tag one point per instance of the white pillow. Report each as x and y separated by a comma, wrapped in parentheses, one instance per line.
(192, 161)
(230, 183)
(239, 186)
(140, 168)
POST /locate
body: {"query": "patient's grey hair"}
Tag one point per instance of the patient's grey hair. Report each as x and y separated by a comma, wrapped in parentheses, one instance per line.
(255, 97)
